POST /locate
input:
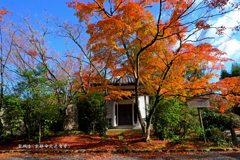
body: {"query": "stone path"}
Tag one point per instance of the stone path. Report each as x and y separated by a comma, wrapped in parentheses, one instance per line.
(130, 156)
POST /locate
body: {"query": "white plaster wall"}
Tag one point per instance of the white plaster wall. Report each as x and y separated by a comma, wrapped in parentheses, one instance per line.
(142, 109)
(109, 109)
(147, 103)
(142, 106)
(115, 118)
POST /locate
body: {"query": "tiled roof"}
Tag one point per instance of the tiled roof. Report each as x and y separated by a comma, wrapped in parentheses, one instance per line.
(126, 80)
(123, 80)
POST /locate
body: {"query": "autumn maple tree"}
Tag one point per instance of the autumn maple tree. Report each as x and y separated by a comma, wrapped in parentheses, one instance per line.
(228, 90)
(156, 49)
(2, 13)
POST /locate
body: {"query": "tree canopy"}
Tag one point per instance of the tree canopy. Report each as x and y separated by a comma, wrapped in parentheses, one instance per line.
(235, 71)
(157, 50)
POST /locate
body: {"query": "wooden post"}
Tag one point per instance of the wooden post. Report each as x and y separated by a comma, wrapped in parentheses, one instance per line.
(199, 102)
(201, 124)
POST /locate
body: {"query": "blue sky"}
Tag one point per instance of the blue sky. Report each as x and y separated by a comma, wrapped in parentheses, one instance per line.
(230, 42)
(57, 8)
(37, 10)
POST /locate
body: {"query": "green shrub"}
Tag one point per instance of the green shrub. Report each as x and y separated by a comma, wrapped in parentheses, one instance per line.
(92, 114)
(165, 118)
(214, 124)
(215, 135)
(199, 131)
(31, 106)
(217, 120)
(177, 140)
(5, 138)
(173, 117)
(120, 137)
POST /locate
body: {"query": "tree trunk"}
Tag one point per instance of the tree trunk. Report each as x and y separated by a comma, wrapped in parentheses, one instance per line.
(149, 121)
(147, 135)
(40, 127)
(27, 128)
(136, 76)
(143, 131)
(1, 104)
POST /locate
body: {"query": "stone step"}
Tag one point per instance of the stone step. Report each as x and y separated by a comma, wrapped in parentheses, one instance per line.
(125, 131)
(228, 133)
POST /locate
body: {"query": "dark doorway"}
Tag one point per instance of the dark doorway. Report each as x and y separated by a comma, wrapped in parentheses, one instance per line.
(125, 114)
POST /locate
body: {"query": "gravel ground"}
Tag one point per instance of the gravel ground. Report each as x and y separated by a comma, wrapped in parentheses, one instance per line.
(160, 156)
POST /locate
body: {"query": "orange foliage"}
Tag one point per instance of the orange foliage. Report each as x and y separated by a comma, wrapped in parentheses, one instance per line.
(127, 31)
(3, 12)
(202, 24)
(230, 91)
(32, 53)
